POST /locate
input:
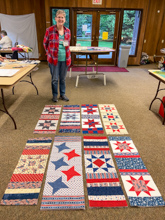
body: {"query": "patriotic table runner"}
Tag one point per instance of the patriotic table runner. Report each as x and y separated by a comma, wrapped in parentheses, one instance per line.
(103, 186)
(91, 122)
(70, 120)
(111, 119)
(48, 120)
(139, 185)
(64, 181)
(25, 183)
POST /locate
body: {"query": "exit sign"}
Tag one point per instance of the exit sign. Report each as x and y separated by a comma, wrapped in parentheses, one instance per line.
(97, 2)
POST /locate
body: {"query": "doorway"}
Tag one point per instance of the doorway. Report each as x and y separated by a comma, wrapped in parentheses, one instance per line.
(96, 28)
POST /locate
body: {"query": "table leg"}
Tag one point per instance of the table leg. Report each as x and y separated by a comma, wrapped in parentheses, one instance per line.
(31, 82)
(77, 81)
(6, 111)
(155, 98)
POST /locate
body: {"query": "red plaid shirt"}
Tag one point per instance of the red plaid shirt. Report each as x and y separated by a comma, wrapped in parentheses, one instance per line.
(51, 44)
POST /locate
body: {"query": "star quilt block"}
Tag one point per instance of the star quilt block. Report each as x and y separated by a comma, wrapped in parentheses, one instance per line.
(48, 120)
(139, 185)
(70, 120)
(103, 185)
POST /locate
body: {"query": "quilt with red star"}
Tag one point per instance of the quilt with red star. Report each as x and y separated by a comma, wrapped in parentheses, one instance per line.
(64, 181)
(113, 123)
(139, 185)
(70, 120)
(48, 120)
(25, 184)
(103, 185)
(91, 122)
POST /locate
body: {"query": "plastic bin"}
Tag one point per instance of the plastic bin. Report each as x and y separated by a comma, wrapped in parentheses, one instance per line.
(123, 55)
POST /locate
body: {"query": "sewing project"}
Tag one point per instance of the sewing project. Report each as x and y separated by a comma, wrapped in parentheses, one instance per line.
(103, 185)
(25, 184)
(91, 122)
(70, 120)
(113, 124)
(48, 120)
(139, 185)
(64, 181)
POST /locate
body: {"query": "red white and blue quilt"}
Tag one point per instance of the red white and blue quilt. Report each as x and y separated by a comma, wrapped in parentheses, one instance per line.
(91, 122)
(25, 184)
(48, 120)
(139, 185)
(112, 121)
(103, 185)
(64, 181)
(70, 120)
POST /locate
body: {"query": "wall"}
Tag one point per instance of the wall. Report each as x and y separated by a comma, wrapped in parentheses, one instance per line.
(19, 7)
(151, 26)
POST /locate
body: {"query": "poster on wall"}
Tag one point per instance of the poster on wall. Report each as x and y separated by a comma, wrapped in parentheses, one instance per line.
(97, 2)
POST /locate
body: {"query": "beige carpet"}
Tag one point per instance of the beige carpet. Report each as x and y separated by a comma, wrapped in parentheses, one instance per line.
(131, 92)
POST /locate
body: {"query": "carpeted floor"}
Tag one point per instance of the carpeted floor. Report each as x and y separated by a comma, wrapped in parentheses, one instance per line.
(131, 92)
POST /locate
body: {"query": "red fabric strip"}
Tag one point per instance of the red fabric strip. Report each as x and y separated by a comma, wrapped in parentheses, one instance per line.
(102, 180)
(135, 171)
(106, 203)
(94, 137)
(26, 177)
(35, 152)
(124, 156)
(90, 149)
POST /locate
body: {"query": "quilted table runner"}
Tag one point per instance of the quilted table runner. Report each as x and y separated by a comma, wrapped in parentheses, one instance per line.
(103, 186)
(139, 185)
(48, 120)
(64, 181)
(25, 183)
(70, 120)
(111, 119)
(91, 122)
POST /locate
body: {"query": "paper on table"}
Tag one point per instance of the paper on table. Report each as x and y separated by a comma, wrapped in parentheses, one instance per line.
(8, 72)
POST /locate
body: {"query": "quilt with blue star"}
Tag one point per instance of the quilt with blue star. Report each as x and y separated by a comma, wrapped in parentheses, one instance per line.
(112, 121)
(103, 185)
(91, 122)
(70, 120)
(139, 185)
(25, 184)
(48, 120)
(64, 181)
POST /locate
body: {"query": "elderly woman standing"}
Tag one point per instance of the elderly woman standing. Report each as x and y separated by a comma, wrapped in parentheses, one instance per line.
(56, 43)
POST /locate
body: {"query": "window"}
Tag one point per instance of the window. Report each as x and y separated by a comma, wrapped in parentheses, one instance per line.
(130, 29)
(54, 10)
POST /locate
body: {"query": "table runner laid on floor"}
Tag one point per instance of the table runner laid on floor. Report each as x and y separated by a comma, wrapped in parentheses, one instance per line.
(113, 124)
(91, 122)
(48, 120)
(139, 185)
(103, 185)
(64, 181)
(70, 120)
(25, 183)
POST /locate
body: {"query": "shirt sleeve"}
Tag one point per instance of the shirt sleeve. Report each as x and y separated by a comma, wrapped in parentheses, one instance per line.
(46, 41)
(2, 41)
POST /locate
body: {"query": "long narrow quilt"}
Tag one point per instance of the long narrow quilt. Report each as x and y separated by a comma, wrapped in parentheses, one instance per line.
(70, 120)
(48, 120)
(103, 186)
(25, 183)
(64, 181)
(139, 185)
(91, 122)
(111, 119)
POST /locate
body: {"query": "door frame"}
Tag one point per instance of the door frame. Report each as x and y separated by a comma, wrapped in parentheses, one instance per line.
(96, 19)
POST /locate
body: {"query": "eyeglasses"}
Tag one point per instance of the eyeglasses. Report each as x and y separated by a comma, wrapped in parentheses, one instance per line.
(60, 17)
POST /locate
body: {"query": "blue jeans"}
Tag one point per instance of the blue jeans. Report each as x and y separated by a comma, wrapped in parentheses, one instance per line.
(58, 72)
